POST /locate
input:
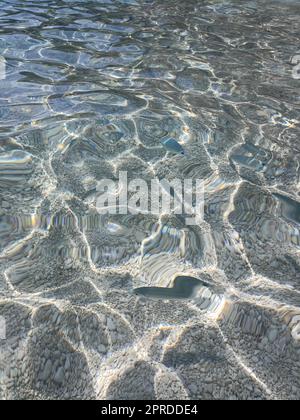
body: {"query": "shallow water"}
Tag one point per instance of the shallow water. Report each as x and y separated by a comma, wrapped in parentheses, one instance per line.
(92, 88)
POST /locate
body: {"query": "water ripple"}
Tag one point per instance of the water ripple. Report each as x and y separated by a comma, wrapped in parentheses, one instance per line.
(141, 306)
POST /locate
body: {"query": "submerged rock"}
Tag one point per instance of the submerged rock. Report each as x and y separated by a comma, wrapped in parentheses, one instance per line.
(251, 157)
(59, 376)
(47, 371)
(171, 145)
(184, 288)
(290, 208)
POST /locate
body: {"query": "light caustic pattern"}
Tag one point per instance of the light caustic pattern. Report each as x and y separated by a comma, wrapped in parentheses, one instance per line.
(144, 306)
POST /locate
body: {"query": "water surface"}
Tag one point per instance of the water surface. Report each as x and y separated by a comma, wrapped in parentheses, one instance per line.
(91, 303)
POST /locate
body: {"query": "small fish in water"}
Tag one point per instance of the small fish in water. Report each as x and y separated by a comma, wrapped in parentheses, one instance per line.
(171, 145)
(184, 288)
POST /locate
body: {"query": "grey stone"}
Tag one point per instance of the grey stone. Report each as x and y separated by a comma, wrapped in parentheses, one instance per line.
(272, 335)
(67, 363)
(47, 371)
(110, 324)
(5, 204)
(59, 376)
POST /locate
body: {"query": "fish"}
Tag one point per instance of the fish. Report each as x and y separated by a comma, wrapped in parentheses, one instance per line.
(184, 288)
(171, 145)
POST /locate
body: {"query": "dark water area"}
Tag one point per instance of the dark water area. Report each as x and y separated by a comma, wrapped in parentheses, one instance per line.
(145, 306)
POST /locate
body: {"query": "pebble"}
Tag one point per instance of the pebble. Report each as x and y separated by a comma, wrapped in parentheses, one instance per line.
(54, 318)
(67, 364)
(110, 324)
(272, 335)
(193, 388)
(102, 349)
(113, 338)
(5, 204)
(59, 376)
(47, 371)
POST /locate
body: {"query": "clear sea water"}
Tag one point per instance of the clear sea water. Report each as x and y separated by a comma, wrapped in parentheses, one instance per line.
(103, 306)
